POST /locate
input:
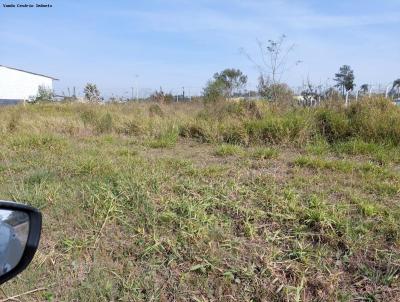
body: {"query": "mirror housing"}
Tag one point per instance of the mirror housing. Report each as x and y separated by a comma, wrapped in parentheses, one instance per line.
(32, 237)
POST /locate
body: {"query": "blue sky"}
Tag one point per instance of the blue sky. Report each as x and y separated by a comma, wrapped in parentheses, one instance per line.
(179, 43)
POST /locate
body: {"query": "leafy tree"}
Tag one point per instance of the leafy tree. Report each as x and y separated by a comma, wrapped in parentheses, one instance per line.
(44, 95)
(224, 84)
(214, 91)
(92, 94)
(230, 80)
(364, 88)
(345, 79)
(396, 86)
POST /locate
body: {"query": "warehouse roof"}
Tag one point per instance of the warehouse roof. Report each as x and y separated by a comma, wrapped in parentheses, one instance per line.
(38, 74)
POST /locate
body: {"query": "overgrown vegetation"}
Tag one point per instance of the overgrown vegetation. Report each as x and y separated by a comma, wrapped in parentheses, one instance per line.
(240, 201)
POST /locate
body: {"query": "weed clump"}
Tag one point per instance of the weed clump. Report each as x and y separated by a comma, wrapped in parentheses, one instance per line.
(104, 124)
(333, 126)
(14, 122)
(234, 133)
(88, 117)
(131, 128)
(228, 150)
(199, 130)
(155, 110)
(165, 139)
(264, 153)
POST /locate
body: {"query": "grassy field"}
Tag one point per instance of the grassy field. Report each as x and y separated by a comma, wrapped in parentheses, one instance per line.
(231, 202)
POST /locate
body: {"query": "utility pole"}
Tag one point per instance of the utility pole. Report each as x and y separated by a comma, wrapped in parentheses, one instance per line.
(183, 93)
(132, 93)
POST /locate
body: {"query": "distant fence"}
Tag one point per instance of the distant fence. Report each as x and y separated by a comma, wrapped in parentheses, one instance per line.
(189, 93)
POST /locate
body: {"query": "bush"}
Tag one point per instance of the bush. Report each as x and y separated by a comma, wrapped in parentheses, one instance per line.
(279, 92)
(199, 130)
(375, 120)
(88, 117)
(333, 125)
(268, 130)
(44, 95)
(234, 133)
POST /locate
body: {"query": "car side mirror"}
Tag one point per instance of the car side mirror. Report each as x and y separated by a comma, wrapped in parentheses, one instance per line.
(20, 229)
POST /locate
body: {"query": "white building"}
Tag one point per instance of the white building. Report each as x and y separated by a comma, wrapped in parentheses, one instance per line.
(19, 85)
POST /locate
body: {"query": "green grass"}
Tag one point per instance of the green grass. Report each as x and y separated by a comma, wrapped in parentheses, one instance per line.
(165, 139)
(180, 202)
(264, 153)
(228, 150)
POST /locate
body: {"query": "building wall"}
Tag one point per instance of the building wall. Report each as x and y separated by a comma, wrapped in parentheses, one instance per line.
(19, 85)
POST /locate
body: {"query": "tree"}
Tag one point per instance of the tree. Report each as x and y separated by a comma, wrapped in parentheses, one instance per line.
(91, 92)
(44, 95)
(345, 79)
(396, 86)
(214, 91)
(224, 84)
(230, 80)
(274, 63)
(364, 88)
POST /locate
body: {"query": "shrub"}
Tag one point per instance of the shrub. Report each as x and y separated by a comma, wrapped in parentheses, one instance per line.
(268, 130)
(333, 125)
(88, 117)
(375, 120)
(300, 126)
(278, 92)
(234, 133)
(44, 95)
(199, 130)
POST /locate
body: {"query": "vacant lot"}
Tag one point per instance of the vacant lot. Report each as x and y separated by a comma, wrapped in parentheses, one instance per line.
(235, 202)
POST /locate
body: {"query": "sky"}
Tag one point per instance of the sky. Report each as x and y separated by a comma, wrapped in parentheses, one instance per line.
(181, 43)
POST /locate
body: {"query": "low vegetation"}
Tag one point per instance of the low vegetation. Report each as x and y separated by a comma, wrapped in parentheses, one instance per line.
(240, 201)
